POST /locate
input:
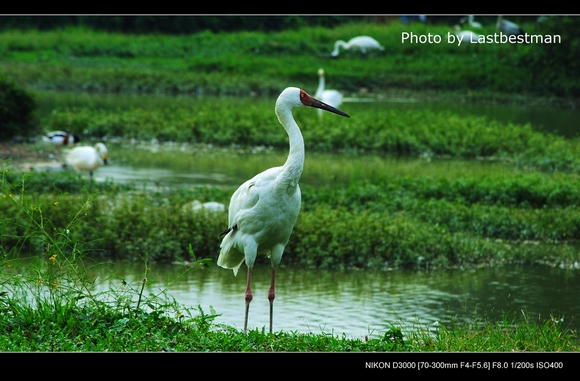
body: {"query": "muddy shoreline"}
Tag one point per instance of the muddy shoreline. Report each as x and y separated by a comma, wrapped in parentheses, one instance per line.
(28, 157)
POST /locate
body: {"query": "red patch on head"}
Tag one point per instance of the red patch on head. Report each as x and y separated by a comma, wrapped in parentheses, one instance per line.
(304, 97)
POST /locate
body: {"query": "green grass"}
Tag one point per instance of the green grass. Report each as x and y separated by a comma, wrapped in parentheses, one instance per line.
(251, 122)
(435, 214)
(265, 63)
(92, 331)
(513, 334)
(482, 192)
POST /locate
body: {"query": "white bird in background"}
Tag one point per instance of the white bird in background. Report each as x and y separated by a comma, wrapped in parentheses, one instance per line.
(88, 158)
(469, 19)
(264, 209)
(60, 138)
(466, 35)
(508, 27)
(362, 43)
(330, 97)
(210, 206)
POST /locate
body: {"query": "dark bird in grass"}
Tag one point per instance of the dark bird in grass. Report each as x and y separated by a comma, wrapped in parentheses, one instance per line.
(60, 138)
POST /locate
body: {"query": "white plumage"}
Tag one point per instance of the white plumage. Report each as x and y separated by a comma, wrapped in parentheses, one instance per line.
(471, 22)
(466, 36)
(87, 158)
(210, 206)
(508, 27)
(362, 43)
(264, 209)
(330, 97)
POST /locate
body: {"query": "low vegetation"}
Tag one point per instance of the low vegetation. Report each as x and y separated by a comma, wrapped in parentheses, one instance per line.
(264, 63)
(397, 133)
(401, 221)
(17, 112)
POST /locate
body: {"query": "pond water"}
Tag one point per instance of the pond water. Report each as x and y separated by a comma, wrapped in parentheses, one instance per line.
(356, 303)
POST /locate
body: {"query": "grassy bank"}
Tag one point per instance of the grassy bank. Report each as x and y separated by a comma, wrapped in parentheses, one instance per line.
(265, 63)
(425, 219)
(398, 133)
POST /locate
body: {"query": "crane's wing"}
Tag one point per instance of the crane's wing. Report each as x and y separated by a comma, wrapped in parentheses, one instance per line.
(248, 194)
(241, 212)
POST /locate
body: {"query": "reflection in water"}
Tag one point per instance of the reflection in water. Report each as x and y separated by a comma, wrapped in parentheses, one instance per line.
(154, 178)
(173, 169)
(358, 303)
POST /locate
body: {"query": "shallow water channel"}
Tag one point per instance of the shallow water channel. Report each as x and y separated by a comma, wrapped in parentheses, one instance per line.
(356, 303)
(359, 303)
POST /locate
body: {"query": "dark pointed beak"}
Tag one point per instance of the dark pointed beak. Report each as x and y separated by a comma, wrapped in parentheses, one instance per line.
(313, 102)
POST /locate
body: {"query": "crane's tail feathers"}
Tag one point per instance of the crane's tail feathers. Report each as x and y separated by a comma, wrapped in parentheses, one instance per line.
(228, 261)
(229, 230)
(230, 257)
(237, 268)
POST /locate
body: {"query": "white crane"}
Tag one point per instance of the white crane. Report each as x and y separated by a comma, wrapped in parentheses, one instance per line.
(362, 43)
(88, 158)
(466, 35)
(60, 138)
(470, 21)
(264, 209)
(508, 27)
(330, 97)
(210, 206)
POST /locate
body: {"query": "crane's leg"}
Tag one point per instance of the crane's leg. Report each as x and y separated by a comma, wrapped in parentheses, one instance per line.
(271, 296)
(248, 299)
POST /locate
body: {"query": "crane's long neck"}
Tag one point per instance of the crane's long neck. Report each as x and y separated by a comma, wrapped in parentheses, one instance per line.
(337, 44)
(292, 169)
(320, 89)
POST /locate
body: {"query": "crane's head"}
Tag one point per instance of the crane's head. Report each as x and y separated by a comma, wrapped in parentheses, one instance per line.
(309, 101)
(321, 72)
(294, 97)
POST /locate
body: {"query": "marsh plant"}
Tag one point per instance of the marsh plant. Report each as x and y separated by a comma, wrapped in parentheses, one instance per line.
(50, 297)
